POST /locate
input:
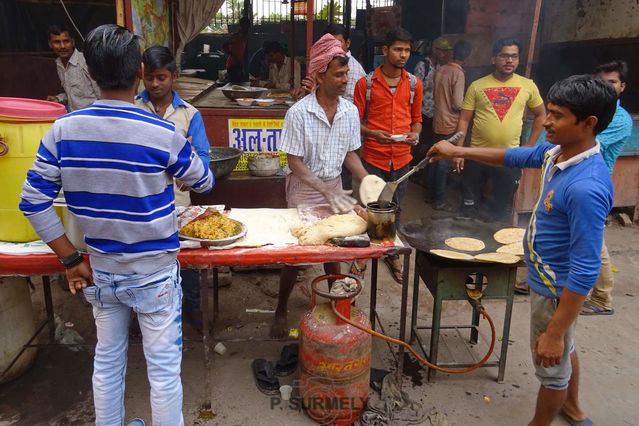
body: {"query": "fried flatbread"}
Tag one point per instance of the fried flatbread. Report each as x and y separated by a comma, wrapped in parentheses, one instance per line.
(497, 257)
(515, 248)
(449, 254)
(370, 188)
(465, 244)
(509, 235)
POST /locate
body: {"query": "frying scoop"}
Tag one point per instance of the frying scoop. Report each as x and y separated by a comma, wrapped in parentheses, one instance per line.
(386, 196)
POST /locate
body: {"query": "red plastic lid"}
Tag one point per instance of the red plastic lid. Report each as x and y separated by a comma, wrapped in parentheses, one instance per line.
(30, 109)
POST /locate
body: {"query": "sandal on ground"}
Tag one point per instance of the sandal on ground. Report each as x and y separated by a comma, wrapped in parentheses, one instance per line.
(573, 422)
(264, 376)
(288, 360)
(522, 288)
(377, 377)
(590, 308)
(396, 273)
(357, 271)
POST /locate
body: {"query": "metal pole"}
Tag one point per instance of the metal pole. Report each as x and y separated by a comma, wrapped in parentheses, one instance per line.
(533, 38)
(347, 13)
(292, 45)
(310, 10)
(331, 11)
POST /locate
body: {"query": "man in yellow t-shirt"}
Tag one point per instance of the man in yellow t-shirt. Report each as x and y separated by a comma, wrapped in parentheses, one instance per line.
(497, 103)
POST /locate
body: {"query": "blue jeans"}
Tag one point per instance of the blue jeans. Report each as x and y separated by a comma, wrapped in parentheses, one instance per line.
(438, 175)
(157, 300)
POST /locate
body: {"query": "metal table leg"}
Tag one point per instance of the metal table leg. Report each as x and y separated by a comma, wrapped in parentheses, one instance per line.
(413, 317)
(506, 331)
(434, 336)
(48, 303)
(216, 298)
(402, 318)
(206, 336)
(373, 293)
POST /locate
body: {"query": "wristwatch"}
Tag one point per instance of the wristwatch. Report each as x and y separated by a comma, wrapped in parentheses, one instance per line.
(74, 259)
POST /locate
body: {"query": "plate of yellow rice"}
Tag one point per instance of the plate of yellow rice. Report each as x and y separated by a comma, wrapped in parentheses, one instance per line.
(213, 229)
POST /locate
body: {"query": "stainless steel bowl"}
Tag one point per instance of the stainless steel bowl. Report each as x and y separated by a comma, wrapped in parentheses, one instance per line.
(234, 92)
(223, 160)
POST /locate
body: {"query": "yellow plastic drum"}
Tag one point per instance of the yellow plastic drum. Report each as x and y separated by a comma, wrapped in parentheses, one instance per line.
(23, 122)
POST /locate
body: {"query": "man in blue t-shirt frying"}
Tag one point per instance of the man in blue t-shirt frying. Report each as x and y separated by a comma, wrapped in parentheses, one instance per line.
(564, 237)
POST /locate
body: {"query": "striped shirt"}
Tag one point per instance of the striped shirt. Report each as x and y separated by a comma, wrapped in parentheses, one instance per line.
(307, 133)
(116, 165)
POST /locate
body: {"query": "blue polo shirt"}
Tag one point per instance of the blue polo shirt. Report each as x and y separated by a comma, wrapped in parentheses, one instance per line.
(615, 136)
(564, 238)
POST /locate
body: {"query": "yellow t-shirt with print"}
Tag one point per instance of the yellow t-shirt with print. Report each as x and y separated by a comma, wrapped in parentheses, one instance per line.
(499, 109)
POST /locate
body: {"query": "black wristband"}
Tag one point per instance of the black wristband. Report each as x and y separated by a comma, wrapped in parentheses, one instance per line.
(72, 260)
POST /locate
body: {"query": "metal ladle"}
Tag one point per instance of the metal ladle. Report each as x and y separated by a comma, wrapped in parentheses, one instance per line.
(386, 196)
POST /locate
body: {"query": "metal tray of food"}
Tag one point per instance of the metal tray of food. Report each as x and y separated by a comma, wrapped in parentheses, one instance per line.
(222, 241)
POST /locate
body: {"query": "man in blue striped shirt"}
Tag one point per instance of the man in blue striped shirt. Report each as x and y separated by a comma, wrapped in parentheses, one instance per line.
(116, 164)
(564, 237)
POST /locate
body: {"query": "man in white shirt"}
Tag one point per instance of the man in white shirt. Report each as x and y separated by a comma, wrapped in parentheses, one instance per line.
(321, 132)
(79, 88)
(279, 74)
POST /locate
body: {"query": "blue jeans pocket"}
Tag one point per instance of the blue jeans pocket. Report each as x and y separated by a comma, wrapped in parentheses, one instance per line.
(157, 300)
(91, 294)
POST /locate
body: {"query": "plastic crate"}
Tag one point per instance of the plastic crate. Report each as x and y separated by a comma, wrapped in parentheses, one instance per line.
(242, 164)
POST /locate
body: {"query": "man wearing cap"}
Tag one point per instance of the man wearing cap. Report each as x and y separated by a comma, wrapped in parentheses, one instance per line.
(321, 132)
(440, 53)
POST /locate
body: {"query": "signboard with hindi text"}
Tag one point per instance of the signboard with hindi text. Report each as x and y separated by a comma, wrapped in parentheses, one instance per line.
(255, 134)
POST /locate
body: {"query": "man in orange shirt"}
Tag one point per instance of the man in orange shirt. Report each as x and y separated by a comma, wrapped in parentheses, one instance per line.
(393, 108)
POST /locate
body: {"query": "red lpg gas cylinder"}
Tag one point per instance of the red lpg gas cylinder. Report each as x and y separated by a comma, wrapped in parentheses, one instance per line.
(334, 358)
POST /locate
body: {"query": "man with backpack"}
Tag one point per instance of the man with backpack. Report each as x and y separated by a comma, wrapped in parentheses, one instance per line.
(389, 101)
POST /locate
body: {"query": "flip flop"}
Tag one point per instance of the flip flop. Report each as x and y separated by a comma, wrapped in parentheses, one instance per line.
(288, 360)
(394, 271)
(377, 377)
(264, 376)
(590, 308)
(522, 289)
(573, 422)
(357, 271)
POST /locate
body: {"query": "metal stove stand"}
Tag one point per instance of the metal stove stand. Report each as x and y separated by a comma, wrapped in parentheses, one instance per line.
(446, 280)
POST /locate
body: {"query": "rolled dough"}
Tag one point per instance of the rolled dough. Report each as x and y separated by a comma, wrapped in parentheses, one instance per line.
(339, 225)
(370, 188)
